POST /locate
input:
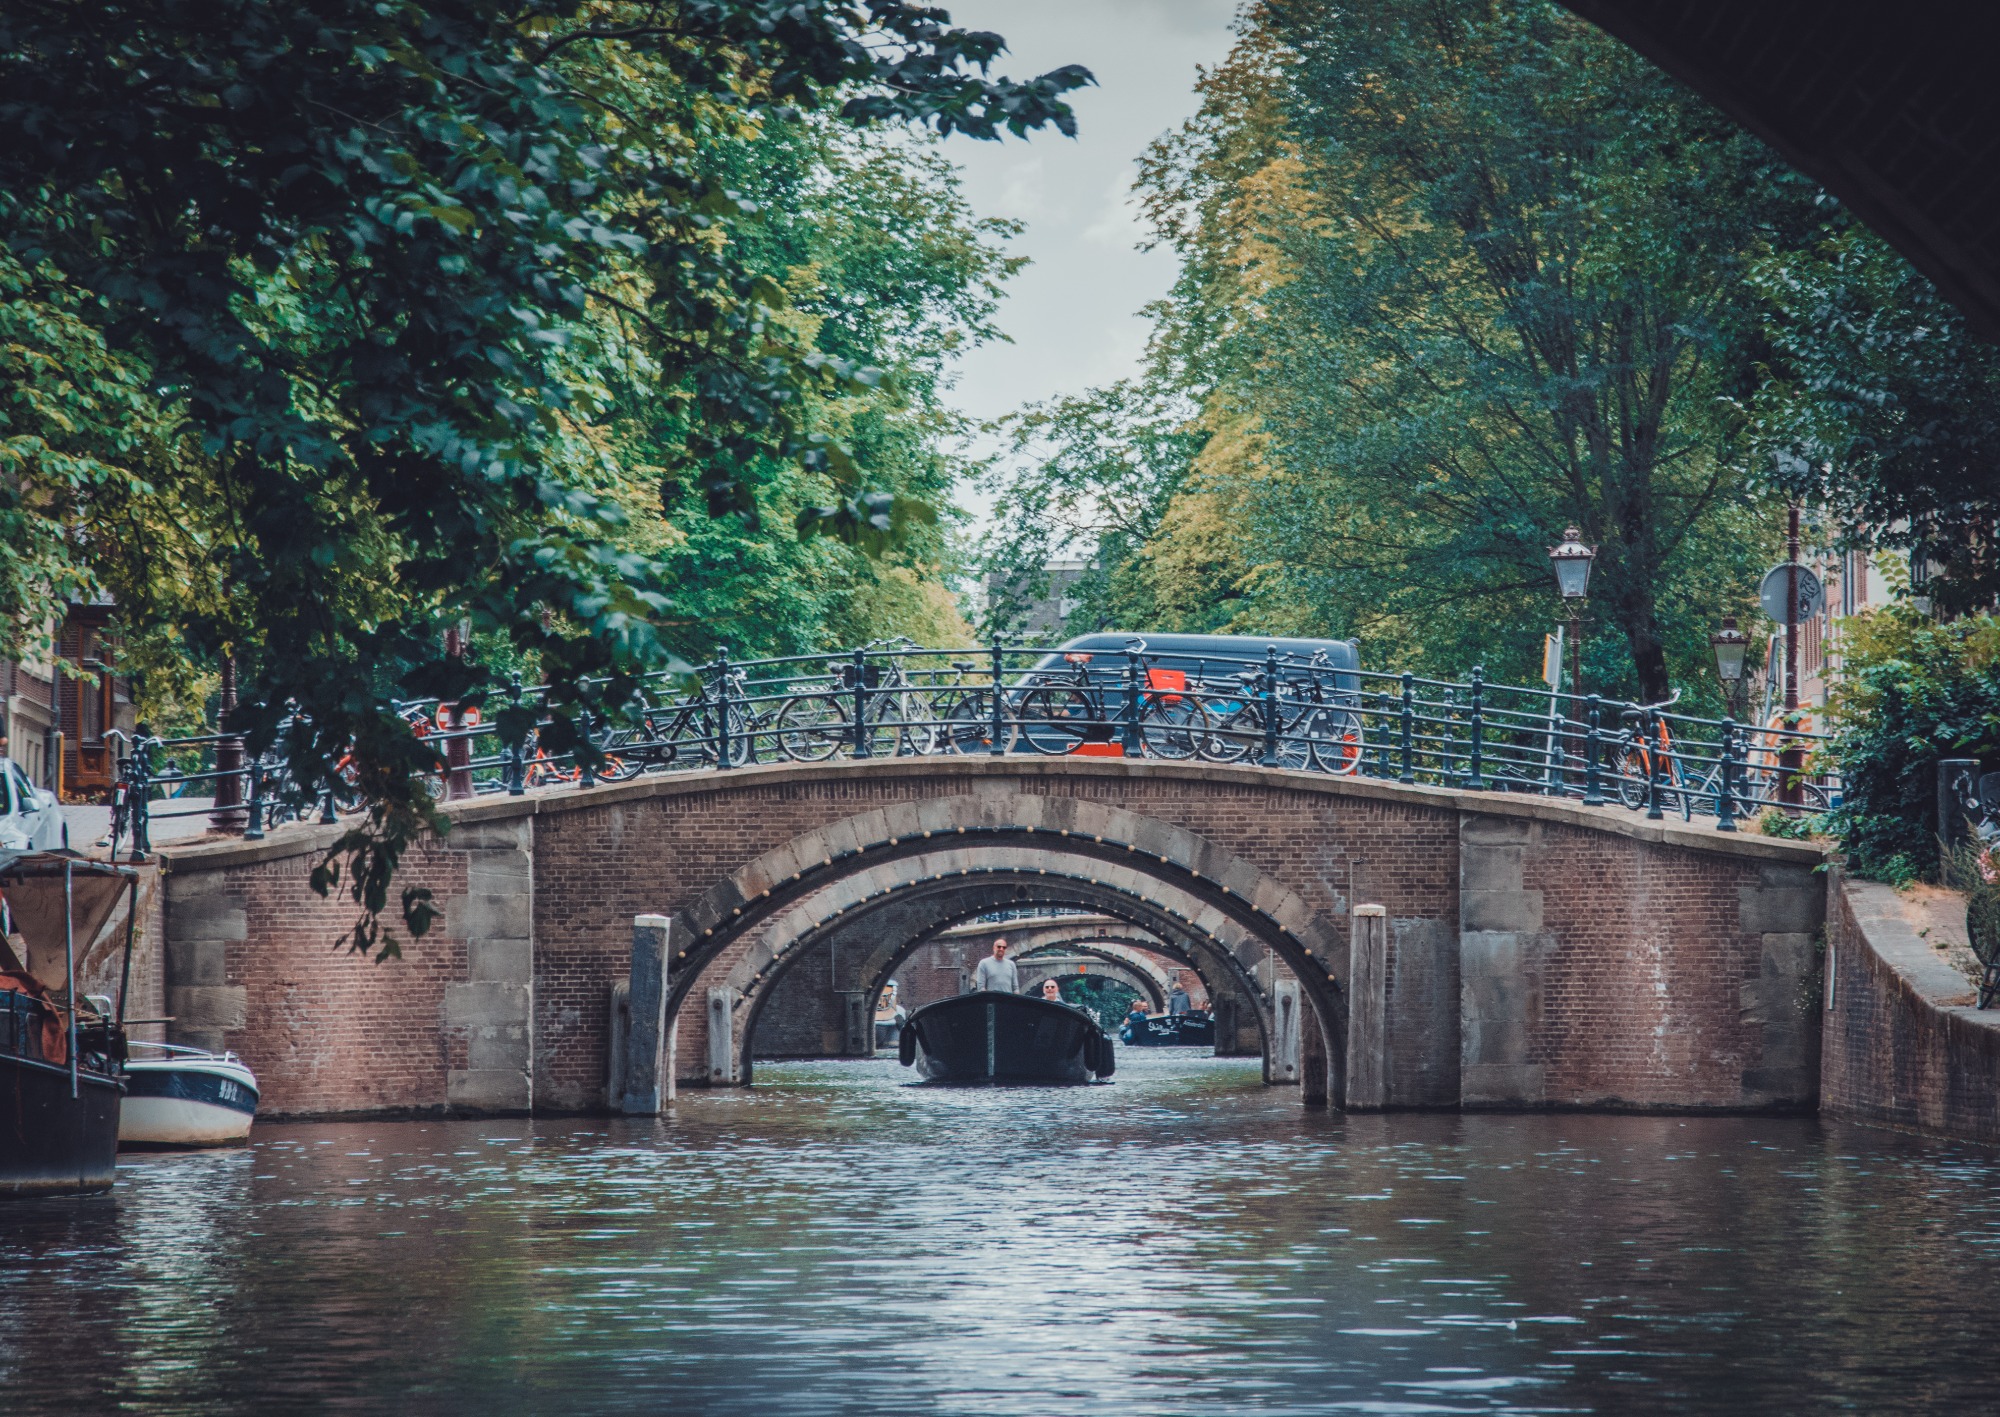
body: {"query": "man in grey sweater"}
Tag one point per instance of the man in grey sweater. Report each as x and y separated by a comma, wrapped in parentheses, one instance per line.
(998, 972)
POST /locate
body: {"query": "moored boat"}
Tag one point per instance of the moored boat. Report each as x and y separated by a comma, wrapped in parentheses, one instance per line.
(185, 1097)
(61, 1051)
(1194, 1028)
(996, 1037)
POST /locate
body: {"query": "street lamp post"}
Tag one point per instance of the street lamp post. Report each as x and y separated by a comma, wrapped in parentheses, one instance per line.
(1729, 644)
(1572, 559)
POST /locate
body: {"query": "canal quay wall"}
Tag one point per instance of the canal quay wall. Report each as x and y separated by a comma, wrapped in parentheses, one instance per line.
(1537, 954)
(1904, 1045)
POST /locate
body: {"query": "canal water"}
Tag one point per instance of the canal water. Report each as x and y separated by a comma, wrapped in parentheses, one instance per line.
(1181, 1241)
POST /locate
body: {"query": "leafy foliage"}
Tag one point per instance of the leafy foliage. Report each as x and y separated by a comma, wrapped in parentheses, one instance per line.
(1914, 692)
(383, 281)
(1885, 408)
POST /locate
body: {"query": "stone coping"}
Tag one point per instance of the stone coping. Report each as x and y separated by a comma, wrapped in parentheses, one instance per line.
(1888, 922)
(291, 841)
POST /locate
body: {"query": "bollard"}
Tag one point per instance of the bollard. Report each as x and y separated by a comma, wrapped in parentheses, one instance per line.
(1368, 1009)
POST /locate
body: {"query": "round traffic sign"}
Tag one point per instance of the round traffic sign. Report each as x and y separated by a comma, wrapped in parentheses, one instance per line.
(1812, 594)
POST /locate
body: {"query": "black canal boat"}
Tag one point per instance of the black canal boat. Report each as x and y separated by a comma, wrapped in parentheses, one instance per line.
(996, 1037)
(61, 1052)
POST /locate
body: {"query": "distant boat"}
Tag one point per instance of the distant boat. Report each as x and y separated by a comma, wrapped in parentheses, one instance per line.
(1196, 1028)
(997, 1037)
(176, 1096)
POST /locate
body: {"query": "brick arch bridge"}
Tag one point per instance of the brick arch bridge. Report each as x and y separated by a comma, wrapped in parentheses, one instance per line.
(1538, 954)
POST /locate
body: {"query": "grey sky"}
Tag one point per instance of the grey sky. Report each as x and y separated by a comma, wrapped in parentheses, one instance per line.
(1073, 315)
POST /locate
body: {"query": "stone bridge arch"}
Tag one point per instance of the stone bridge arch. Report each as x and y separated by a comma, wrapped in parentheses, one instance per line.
(1108, 959)
(905, 903)
(820, 999)
(726, 948)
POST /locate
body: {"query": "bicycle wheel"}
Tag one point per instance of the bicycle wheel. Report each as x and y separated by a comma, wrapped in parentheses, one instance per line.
(1335, 737)
(1238, 735)
(1629, 767)
(812, 729)
(1173, 728)
(967, 725)
(916, 735)
(1056, 718)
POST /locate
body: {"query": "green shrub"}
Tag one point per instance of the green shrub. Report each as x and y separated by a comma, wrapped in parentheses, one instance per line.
(1913, 692)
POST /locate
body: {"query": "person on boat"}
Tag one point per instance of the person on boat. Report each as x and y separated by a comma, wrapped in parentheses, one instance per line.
(997, 972)
(1052, 990)
(1178, 1001)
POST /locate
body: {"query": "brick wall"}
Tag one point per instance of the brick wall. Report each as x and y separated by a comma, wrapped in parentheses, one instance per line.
(1902, 1046)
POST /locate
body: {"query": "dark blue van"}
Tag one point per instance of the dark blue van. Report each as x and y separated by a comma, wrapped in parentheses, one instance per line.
(1199, 697)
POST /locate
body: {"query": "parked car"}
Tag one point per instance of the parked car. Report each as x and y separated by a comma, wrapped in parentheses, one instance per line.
(33, 820)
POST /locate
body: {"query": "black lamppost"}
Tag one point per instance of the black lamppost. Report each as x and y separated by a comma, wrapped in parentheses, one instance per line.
(1729, 644)
(1572, 559)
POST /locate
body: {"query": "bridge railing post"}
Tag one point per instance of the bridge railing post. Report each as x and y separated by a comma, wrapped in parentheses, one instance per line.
(1725, 793)
(516, 769)
(1409, 726)
(999, 744)
(1476, 726)
(1655, 750)
(1270, 758)
(724, 750)
(859, 669)
(1131, 734)
(1593, 793)
(253, 830)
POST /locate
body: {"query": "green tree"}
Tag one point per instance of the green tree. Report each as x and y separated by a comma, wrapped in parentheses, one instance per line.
(380, 265)
(1884, 408)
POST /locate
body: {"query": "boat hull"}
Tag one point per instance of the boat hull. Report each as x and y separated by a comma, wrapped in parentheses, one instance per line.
(1170, 1031)
(995, 1037)
(52, 1143)
(186, 1102)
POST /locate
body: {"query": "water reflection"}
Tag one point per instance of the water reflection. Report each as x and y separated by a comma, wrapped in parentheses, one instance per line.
(1181, 1241)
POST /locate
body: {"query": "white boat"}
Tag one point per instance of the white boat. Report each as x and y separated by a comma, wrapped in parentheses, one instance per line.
(177, 1096)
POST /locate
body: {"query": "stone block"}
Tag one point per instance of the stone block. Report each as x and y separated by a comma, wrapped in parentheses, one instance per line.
(1503, 911)
(225, 1006)
(210, 915)
(1502, 1085)
(517, 835)
(1774, 910)
(197, 962)
(489, 1090)
(486, 1004)
(1492, 868)
(485, 917)
(500, 961)
(1477, 830)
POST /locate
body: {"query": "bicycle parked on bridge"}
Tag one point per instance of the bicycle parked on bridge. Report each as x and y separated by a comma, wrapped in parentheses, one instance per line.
(1067, 708)
(1317, 728)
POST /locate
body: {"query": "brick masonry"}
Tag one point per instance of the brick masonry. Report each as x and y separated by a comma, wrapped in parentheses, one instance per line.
(1902, 1045)
(1547, 955)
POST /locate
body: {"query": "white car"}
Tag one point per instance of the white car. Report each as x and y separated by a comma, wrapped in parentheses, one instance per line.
(33, 820)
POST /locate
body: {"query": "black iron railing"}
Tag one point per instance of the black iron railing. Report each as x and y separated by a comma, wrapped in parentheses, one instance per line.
(895, 699)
